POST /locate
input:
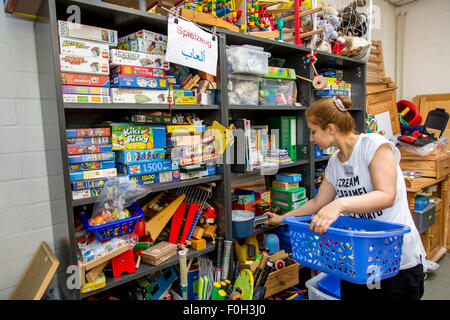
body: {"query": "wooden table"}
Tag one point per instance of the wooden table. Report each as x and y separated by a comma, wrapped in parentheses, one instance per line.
(436, 239)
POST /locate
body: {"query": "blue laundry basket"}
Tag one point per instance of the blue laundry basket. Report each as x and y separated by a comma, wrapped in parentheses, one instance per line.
(351, 249)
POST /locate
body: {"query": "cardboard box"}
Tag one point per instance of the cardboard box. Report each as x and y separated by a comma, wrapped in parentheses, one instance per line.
(210, 170)
(87, 141)
(121, 81)
(80, 31)
(159, 253)
(105, 156)
(284, 185)
(76, 64)
(85, 90)
(150, 119)
(140, 156)
(83, 194)
(93, 148)
(146, 168)
(129, 137)
(84, 98)
(184, 140)
(94, 165)
(140, 59)
(77, 79)
(143, 45)
(132, 95)
(88, 184)
(92, 174)
(156, 178)
(138, 71)
(83, 48)
(144, 34)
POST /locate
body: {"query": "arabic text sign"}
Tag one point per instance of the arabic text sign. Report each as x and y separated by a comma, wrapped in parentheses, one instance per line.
(190, 46)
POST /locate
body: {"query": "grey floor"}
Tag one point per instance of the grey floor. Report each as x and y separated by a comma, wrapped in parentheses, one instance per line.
(437, 283)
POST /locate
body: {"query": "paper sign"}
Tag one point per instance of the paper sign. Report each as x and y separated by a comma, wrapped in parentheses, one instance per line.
(384, 123)
(190, 46)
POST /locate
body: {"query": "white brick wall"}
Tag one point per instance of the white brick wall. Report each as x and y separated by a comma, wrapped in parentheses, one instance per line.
(25, 216)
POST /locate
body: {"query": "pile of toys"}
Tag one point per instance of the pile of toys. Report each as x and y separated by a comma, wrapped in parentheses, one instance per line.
(335, 84)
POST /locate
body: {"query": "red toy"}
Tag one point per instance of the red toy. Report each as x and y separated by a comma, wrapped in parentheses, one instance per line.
(123, 262)
(409, 112)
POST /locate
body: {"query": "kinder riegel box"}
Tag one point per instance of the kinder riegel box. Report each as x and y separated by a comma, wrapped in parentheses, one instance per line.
(138, 71)
(140, 59)
(83, 48)
(146, 35)
(77, 79)
(87, 65)
(83, 98)
(128, 137)
(133, 95)
(80, 31)
(121, 81)
(142, 45)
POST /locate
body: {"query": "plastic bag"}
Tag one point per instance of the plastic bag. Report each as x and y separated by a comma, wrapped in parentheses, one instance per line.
(422, 151)
(117, 195)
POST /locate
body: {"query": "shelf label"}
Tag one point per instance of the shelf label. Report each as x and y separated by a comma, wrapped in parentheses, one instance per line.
(190, 46)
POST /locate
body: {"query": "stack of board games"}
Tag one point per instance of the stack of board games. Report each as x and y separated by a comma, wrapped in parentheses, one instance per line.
(141, 155)
(138, 69)
(286, 192)
(91, 160)
(84, 60)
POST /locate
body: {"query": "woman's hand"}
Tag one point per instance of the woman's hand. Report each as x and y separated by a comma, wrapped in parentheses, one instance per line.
(274, 218)
(325, 217)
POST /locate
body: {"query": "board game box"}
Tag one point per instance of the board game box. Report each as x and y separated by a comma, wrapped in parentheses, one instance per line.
(138, 71)
(156, 178)
(83, 48)
(92, 174)
(88, 132)
(144, 34)
(85, 90)
(94, 148)
(94, 165)
(78, 79)
(88, 141)
(140, 59)
(88, 184)
(76, 64)
(147, 167)
(139, 156)
(84, 98)
(143, 45)
(129, 137)
(134, 95)
(80, 158)
(81, 31)
(120, 81)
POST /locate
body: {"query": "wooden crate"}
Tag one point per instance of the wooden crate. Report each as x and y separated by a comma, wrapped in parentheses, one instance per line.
(434, 166)
(283, 279)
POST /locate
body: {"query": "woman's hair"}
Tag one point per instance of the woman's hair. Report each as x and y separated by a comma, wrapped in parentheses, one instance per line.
(334, 111)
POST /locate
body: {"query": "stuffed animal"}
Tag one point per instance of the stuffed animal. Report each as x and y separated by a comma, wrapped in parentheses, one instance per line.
(329, 25)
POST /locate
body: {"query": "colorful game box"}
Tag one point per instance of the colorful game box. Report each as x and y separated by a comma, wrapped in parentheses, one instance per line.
(184, 140)
(140, 59)
(128, 137)
(94, 165)
(88, 141)
(210, 170)
(139, 156)
(143, 45)
(76, 64)
(134, 95)
(280, 73)
(156, 178)
(184, 151)
(138, 71)
(85, 90)
(80, 31)
(144, 118)
(144, 34)
(88, 132)
(148, 167)
(288, 177)
(184, 97)
(92, 174)
(88, 184)
(83, 194)
(80, 158)
(94, 148)
(84, 98)
(83, 48)
(121, 81)
(78, 79)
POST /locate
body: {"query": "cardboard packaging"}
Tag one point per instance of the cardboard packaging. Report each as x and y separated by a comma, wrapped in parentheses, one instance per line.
(143, 45)
(134, 95)
(76, 64)
(84, 98)
(144, 34)
(140, 59)
(138, 71)
(83, 48)
(159, 253)
(121, 81)
(80, 31)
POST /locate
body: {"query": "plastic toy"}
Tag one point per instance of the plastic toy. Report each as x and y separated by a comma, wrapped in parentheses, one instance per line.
(408, 113)
(123, 262)
(319, 82)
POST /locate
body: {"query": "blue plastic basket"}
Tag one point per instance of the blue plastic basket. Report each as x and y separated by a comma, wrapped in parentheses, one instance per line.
(351, 249)
(114, 229)
(330, 285)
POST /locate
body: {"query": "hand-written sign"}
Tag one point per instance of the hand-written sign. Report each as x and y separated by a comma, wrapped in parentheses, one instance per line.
(190, 46)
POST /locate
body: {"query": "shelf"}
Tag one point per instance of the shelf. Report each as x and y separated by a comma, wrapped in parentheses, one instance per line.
(269, 171)
(146, 269)
(324, 158)
(267, 108)
(138, 106)
(159, 187)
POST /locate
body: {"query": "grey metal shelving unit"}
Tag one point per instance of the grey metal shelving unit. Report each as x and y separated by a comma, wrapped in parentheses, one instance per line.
(70, 115)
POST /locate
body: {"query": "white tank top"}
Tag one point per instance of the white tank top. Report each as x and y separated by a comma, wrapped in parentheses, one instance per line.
(352, 178)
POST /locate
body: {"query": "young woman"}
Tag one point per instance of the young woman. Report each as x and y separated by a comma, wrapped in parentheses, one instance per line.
(364, 180)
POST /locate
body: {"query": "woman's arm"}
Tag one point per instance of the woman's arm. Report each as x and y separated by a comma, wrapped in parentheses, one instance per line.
(325, 195)
(383, 172)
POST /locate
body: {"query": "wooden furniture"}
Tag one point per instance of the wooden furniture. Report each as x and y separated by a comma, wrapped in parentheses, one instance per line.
(436, 165)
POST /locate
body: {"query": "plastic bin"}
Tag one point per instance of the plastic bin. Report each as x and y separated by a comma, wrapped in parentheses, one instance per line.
(243, 90)
(277, 92)
(283, 235)
(247, 59)
(351, 249)
(425, 218)
(330, 285)
(421, 202)
(314, 292)
(114, 229)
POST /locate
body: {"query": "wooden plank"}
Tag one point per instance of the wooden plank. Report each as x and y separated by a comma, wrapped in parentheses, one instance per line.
(306, 34)
(37, 275)
(265, 34)
(208, 19)
(374, 67)
(374, 75)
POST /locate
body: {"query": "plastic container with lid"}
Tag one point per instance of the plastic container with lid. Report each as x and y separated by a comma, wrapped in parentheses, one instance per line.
(243, 90)
(247, 59)
(277, 92)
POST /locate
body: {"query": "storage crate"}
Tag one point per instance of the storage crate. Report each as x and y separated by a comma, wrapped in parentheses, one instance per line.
(314, 292)
(114, 229)
(351, 249)
(247, 59)
(425, 218)
(243, 90)
(330, 285)
(277, 92)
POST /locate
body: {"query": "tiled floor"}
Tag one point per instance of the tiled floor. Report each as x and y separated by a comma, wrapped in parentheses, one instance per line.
(437, 284)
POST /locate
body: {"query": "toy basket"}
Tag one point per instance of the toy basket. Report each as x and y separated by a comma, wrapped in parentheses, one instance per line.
(352, 249)
(114, 229)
